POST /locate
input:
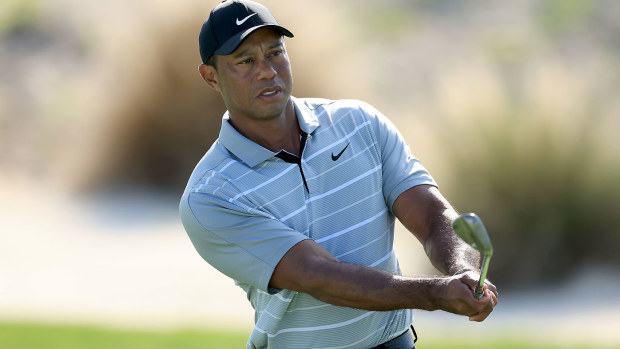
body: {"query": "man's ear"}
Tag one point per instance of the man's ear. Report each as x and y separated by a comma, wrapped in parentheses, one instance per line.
(209, 74)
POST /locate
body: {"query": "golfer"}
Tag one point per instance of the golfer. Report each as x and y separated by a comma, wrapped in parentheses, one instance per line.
(296, 201)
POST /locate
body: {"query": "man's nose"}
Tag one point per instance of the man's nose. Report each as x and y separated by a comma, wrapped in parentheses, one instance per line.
(265, 69)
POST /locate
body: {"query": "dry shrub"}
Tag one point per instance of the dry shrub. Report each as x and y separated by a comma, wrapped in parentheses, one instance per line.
(541, 172)
(165, 117)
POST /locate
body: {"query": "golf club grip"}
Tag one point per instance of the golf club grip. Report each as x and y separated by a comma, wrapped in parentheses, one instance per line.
(478, 292)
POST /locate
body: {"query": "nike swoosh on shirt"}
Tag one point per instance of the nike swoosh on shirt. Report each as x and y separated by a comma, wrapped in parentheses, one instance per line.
(336, 157)
(240, 22)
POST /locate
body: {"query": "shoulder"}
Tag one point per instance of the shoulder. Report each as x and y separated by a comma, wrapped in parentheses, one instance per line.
(337, 109)
(209, 187)
(333, 104)
(216, 160)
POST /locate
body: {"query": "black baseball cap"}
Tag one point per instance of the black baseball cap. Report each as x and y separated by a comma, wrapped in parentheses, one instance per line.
(230, 23)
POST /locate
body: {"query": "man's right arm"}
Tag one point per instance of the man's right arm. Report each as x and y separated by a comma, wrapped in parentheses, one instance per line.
(222, 231)
(307, 267)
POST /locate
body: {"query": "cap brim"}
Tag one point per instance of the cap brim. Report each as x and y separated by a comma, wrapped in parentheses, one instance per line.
(231, 44)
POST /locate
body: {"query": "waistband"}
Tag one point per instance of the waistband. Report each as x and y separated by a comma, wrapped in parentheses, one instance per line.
(404, 341)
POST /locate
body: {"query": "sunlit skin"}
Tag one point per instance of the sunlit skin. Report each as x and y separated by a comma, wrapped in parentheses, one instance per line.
(256, 83)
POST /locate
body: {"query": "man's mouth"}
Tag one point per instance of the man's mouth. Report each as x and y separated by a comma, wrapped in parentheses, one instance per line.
(268, 92)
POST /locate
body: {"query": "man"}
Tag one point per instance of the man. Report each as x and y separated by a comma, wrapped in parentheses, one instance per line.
(296, 202)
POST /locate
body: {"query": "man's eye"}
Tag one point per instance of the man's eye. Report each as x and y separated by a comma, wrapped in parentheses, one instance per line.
(278, 52)
(246, 61)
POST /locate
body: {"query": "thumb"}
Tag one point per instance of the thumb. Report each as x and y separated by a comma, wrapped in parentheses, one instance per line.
(469, 280)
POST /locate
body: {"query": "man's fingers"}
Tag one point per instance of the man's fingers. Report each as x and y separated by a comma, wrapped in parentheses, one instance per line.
(471, 279)
(479, 317)
(492, 288)
(461, 299)
(488, 302)
(494, 297)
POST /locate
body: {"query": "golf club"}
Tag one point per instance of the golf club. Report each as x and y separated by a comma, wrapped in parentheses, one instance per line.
(469, 227)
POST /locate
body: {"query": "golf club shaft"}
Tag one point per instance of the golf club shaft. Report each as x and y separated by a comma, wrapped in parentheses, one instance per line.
(484, 266)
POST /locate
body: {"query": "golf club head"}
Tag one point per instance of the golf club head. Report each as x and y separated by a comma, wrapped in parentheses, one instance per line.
(469, 227)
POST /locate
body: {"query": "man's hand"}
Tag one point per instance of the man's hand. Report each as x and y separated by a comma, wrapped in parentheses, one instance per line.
(455, 295)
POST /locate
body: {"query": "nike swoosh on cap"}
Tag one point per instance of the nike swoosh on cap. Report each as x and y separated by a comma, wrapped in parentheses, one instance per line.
(240, 22)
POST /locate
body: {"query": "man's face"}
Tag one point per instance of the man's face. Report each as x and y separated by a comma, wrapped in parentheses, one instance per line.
(256, 80)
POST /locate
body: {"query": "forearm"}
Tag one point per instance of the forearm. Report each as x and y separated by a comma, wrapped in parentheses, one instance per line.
(307, 267)
(428, 216)
(361, 287)
(446, 251)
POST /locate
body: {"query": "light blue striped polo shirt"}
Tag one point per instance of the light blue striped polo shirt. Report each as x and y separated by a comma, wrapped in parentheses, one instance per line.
(245, 206)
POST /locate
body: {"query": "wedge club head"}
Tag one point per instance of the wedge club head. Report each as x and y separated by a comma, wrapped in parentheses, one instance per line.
(469, 227)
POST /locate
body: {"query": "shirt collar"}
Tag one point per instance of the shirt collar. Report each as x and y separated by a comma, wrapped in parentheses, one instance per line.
(308, 122)
(253, 154)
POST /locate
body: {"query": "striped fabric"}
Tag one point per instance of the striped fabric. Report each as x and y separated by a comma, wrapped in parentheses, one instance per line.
(245, 207)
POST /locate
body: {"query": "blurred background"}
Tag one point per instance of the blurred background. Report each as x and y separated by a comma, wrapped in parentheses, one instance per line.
(513, 107)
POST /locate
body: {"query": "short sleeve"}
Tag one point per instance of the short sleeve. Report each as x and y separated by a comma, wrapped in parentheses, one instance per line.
(401, 170)
(243, 245)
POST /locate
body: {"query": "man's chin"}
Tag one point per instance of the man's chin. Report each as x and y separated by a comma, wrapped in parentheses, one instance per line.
(271, 110)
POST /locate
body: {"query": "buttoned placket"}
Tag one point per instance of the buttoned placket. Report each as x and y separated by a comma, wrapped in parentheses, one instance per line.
(294, 159)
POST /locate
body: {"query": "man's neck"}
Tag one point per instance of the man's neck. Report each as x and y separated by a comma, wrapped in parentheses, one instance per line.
(273, 134)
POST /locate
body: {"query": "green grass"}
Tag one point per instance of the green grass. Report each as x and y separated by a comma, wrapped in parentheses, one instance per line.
(39, 336)
(499, 343)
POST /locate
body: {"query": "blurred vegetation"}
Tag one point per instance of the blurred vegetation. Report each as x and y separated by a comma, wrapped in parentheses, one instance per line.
(559, 16)
(31, 336)
(542, 166)
(547, 201)
(164, 122)
(16, 14)
(166, 117)
(523, 117)
(512, 106)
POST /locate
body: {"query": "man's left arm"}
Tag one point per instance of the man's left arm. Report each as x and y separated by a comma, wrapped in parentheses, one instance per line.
(428, 216)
